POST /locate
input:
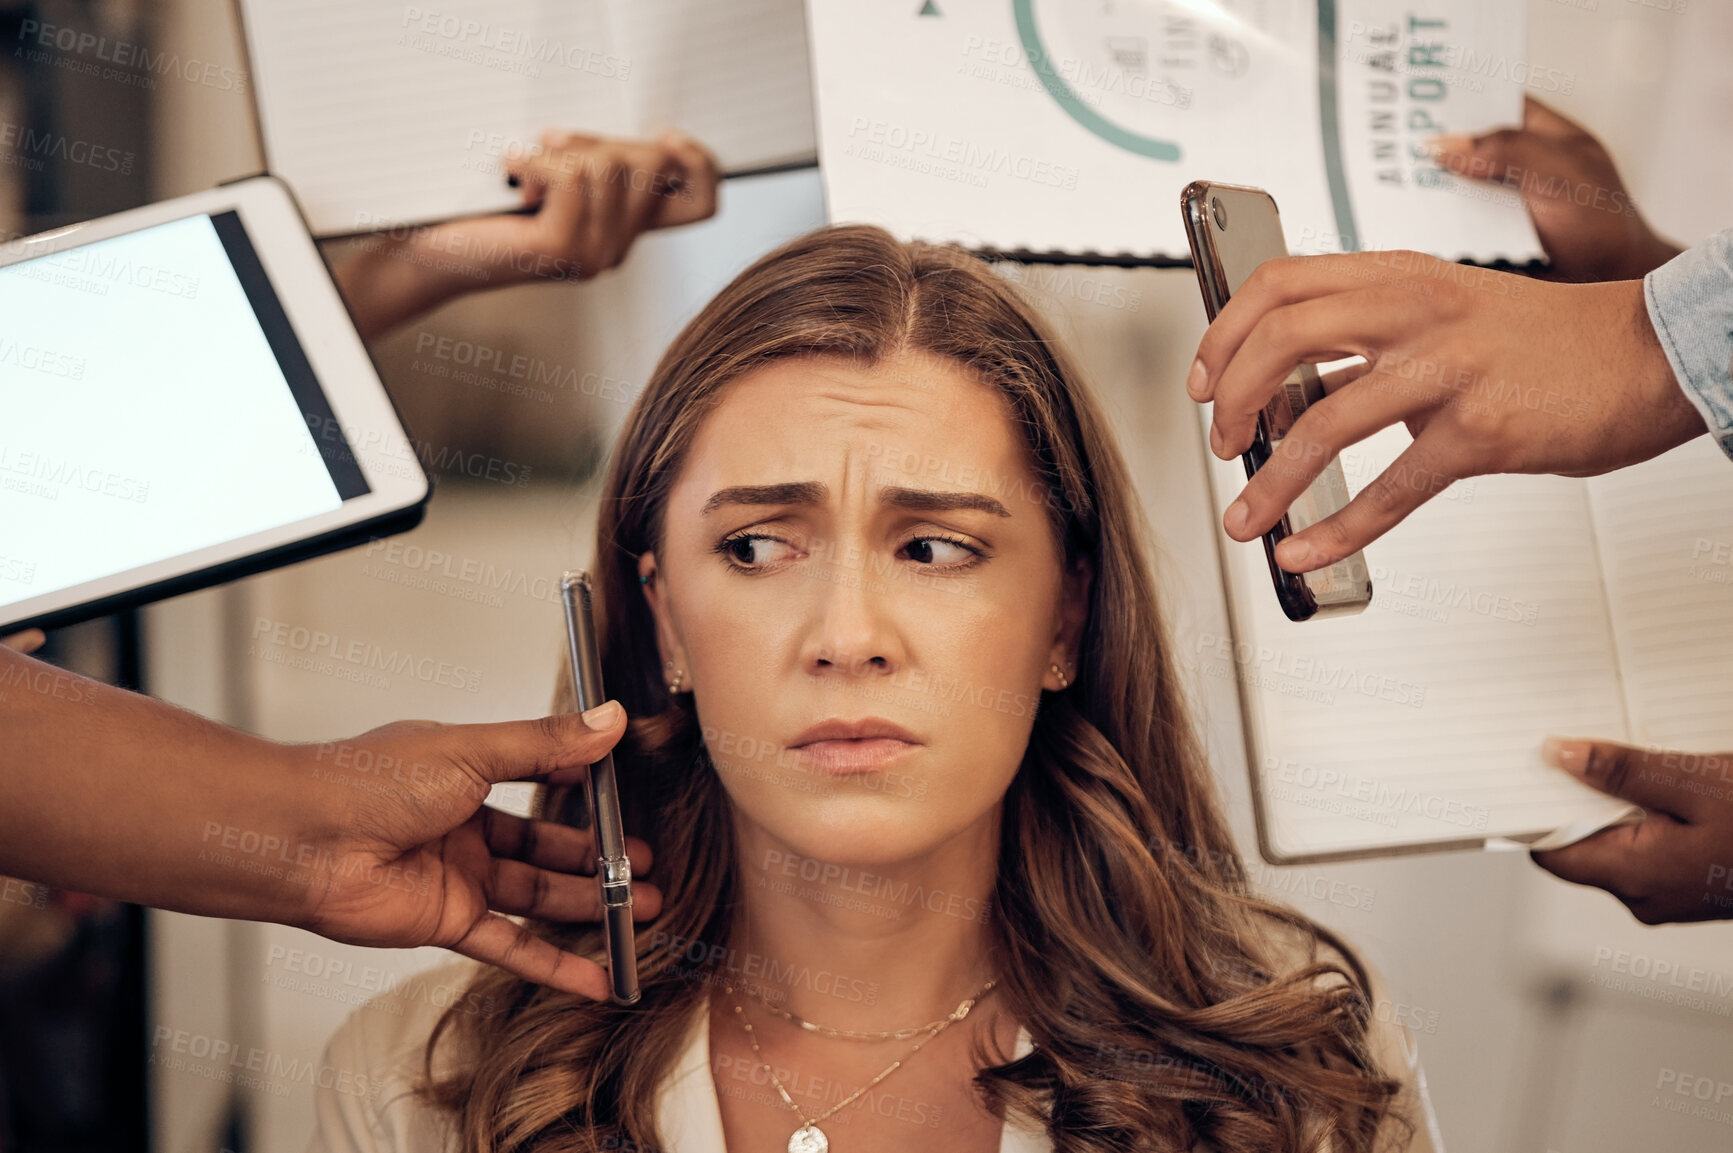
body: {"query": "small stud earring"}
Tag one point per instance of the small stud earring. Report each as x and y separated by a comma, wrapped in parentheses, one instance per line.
(1064, 682)
(643, 579)
(674, 685)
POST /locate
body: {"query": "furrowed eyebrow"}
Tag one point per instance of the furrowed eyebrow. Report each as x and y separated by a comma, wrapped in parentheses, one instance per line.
(929, 500)
(812, 492)
(793, 492)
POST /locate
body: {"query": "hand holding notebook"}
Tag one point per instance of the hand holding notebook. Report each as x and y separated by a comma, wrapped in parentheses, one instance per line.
(382, 114)
(1677, 863)
(585, 200)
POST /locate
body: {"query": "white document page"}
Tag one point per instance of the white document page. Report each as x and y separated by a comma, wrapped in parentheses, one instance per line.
(1052, 126)
(1404, 74)
(1420, 719)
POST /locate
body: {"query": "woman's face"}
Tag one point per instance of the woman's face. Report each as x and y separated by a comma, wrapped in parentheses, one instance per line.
(848, 544)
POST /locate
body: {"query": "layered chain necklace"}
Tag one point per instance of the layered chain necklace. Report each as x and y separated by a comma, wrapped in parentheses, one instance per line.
(809, 1138)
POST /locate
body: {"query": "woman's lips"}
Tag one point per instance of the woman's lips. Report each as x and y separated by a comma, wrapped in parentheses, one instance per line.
(857, 756)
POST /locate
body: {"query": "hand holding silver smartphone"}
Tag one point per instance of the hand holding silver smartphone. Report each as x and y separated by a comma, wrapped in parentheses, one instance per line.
(613, 867)
(1232, 230)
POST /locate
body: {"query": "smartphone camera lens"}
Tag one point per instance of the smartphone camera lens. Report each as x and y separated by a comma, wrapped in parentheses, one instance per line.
(1220, 213)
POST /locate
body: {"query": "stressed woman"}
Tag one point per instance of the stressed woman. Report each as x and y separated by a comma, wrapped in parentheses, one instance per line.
(939, 857)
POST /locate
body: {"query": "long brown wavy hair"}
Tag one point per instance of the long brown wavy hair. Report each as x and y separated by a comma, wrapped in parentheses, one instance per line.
(1169, 1005)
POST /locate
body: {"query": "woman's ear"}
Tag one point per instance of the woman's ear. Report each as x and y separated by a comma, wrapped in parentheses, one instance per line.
(671, 652)
(1073, 613)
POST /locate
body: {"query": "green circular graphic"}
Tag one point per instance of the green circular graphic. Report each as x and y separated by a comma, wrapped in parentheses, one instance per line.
(1149, 146)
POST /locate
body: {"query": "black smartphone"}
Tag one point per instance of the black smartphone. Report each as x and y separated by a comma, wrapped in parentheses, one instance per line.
(1232, 229)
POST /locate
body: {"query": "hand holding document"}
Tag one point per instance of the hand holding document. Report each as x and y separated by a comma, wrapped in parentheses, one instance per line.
(1048, 126)
(1586, 219)
(1503, 609)
(1677, 863)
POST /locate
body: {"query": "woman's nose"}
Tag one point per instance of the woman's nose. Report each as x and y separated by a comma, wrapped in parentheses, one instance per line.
(853, 627)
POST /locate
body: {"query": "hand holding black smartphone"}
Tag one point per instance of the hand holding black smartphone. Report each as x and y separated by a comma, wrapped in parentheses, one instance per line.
(613, 867)
(1233, 229)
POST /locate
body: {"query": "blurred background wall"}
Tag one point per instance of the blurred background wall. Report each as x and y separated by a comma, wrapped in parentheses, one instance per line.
(1494, 962)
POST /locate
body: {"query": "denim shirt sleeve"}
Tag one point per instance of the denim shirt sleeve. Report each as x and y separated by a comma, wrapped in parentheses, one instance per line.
(1690, 301)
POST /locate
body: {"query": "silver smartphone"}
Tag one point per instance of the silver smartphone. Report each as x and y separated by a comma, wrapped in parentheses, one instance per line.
(1233, 229)
(613, 867)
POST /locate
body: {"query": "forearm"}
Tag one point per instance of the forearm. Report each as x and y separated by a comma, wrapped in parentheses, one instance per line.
(386, 282)
(113, 793)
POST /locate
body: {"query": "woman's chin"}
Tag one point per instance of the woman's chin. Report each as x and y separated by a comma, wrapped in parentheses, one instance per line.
(859, 833)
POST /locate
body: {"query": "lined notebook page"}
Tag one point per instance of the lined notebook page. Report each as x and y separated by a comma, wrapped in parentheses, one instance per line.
(734, 74)
(1666, 534)
(373, 119)
(1420, 719)
(379, 113)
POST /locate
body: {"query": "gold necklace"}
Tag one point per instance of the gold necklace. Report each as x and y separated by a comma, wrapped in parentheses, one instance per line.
(888, 1035)
(809, 1138)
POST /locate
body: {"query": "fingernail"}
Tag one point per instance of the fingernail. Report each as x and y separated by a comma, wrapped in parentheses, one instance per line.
(604, 715)
(1566, 755)
(1236, 517)
(1215, 440)
(1296, 554)
(1196, 380)
(1451, 142)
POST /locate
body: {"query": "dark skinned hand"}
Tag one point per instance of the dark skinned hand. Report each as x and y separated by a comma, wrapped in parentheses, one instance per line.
(1677, 863)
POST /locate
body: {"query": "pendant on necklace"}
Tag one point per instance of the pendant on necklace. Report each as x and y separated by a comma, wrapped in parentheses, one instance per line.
(809, 1138)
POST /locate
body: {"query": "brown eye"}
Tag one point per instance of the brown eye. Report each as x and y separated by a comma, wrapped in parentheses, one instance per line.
(750, 551)
(941, 551)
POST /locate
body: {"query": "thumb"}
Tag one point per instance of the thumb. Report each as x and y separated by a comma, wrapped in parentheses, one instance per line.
(1647, 777)
(546, 747)
(1494, 155)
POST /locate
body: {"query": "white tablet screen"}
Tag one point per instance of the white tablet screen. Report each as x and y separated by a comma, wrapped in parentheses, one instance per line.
(153, 400)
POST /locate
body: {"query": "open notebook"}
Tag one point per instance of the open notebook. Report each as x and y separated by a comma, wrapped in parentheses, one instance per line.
(1504, 609)
(384, 113)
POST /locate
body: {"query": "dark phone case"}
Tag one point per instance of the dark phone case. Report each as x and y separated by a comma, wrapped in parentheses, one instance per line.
(1292, 592)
